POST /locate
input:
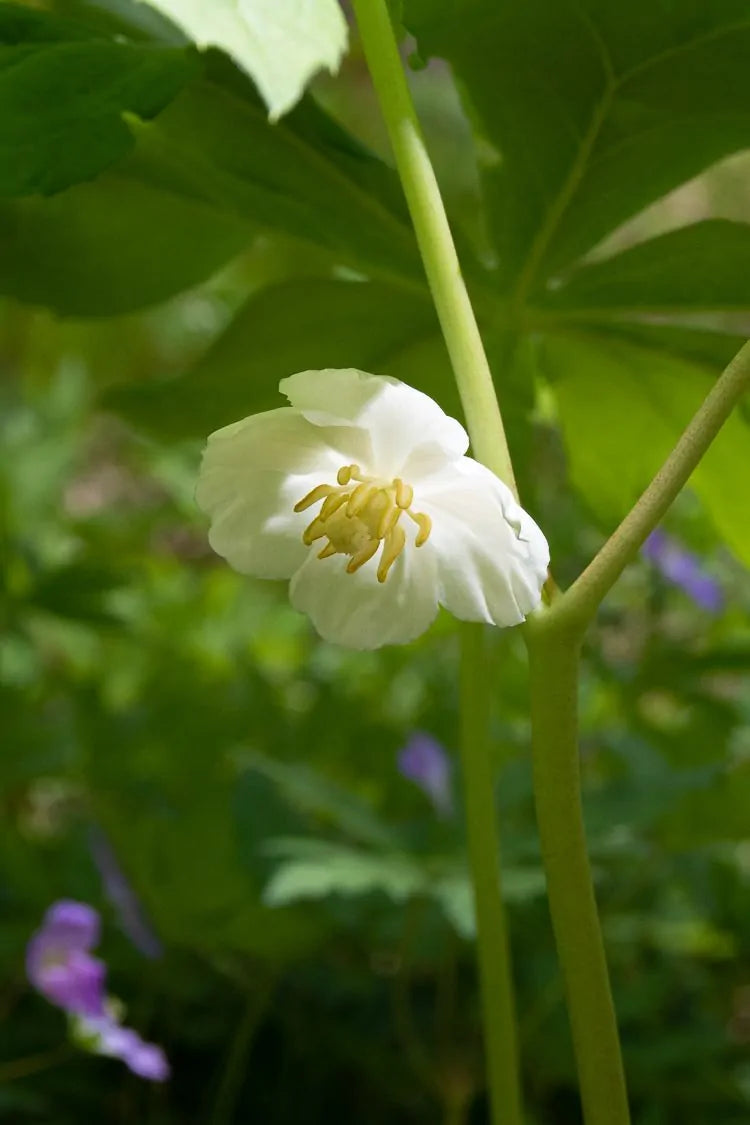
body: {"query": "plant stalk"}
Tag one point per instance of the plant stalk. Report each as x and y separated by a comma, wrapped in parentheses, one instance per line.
(498, 1008)
(554, 661)
(442, 267)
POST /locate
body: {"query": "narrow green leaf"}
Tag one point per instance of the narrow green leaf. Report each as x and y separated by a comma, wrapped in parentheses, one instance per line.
(703, 266)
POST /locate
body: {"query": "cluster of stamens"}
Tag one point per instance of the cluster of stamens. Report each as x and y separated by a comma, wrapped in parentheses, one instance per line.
(360, 513)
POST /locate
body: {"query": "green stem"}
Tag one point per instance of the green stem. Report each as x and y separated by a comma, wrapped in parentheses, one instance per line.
(579, 604)
(498, 1010)
(553, 658)
(435, 240)
(233, 1075)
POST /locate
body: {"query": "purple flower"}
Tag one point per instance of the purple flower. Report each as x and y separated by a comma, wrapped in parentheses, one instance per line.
(682, 568)
(424, 761)
(122, 896)
(106, 1036)
(59, 962)
(60, 966)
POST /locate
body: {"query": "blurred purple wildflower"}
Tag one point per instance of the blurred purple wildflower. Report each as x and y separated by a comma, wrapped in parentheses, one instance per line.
(123, 897)
(60, 966)
(424, 761)
(59, 962)
(682, 568)
(106, 1036)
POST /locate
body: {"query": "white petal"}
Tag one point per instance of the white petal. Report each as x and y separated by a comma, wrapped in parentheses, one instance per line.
(357, 611)
(252, 475)
(410, 434)
(492, 558)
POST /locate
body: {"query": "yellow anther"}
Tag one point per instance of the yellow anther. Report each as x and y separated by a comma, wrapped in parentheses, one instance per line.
(392, 548)
(347, 473)
(332, 504)
(361, 557)
(360, 515)
(360, 497)
(388, 520)
(318, 493)
(424, 523)
(404, 493)
(313, 531)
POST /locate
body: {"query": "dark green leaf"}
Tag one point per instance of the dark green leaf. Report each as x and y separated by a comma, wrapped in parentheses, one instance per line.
(595, 108)
(312, 323)
(63, 94)
(111, 246)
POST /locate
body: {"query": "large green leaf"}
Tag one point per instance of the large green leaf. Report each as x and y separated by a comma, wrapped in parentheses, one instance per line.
(304, 176)
(63, 93)
(596, 108)
(311, 323)
(622, 409)
(111, 246)
(280, 43)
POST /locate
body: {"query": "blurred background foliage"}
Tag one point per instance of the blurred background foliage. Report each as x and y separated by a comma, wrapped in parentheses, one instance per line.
(314, 922)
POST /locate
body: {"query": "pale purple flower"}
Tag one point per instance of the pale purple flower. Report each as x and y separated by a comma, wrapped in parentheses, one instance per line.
(59, 962)
(424, 761)
(122, 896)
(683, 569)
(105, 1036)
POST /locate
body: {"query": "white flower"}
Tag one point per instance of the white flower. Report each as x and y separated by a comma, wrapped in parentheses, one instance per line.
(360, 493)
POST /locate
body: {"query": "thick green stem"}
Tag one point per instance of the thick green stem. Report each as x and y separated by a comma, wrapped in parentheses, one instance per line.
(484, 857)
(435, 241)
(553, 658)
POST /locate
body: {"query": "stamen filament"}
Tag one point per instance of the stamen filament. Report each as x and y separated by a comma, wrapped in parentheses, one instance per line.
(392, 548)
(313, 531)
(424, 523)
(318, 493)
(361, 557)
(360, 497)
(404, 493)
(388, 520)
(332, 504)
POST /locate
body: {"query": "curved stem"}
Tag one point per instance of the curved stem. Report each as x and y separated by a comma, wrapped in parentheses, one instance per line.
(553, 658)
(498, 1009)
(234, 1072)
(579, 604)
(435, 240)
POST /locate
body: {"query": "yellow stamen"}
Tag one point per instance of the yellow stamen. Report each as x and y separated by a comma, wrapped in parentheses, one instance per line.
(360, 515)
(392, 548)
(363, 556)
(313, 531)
(424, 523)
(388, 520)
(404, 493)
(332, 504)
(360, 497)
(318, 493)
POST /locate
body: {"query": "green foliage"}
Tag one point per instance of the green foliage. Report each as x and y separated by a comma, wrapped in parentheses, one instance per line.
(245, 774)
(63, 92)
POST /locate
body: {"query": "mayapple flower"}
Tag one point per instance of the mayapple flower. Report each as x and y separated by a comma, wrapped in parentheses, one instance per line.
(360, 492)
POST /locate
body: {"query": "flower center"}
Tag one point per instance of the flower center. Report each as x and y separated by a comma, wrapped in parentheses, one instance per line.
(358, 514)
